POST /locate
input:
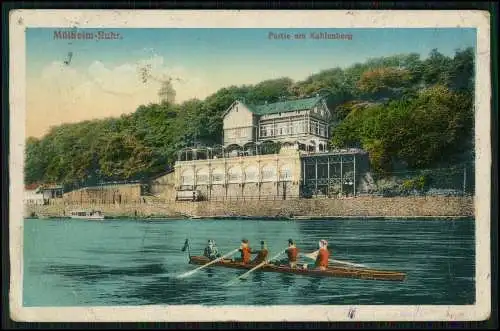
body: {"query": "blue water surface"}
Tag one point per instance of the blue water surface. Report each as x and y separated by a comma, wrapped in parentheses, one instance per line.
(136, 262)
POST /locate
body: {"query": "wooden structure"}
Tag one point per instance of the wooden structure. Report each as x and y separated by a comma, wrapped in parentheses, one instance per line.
(342, 272)
(335, 173)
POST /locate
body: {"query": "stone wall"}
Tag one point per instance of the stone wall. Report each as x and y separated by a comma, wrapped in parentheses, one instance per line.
(120, 193)
(164, 186)
(359, 206)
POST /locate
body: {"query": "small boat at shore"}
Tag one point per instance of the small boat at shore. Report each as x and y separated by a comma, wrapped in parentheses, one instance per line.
(342, 272)
(87, 214)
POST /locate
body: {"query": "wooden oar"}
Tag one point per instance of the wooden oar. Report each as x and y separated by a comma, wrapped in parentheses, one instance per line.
(311, 256)
(189, 273)
(314, 254)
(255, 268)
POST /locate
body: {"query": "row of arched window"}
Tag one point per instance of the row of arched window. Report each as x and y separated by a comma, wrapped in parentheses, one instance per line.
(236, 175)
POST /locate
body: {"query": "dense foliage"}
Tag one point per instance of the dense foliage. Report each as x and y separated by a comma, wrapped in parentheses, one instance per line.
(403, 110)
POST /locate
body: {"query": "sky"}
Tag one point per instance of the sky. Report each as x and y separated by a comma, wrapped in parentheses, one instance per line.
(102, 79)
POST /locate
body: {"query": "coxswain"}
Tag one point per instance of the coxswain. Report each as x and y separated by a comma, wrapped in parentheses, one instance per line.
(323, 255)
(211, 250)
(293, 252)
(262, 254)
(246, 252)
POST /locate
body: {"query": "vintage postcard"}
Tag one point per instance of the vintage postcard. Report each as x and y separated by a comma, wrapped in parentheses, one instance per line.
(249, 165)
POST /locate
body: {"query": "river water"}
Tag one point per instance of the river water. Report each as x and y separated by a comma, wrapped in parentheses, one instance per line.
(136, 262)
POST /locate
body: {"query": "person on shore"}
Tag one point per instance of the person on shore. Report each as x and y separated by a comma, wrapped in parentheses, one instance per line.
(211, 250)
(292, 252)
(246, 252)
(262, 254)
(323, 255)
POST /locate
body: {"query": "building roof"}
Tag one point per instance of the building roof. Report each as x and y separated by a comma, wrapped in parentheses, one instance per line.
(284, 106)
(51, 186)
(30, 187)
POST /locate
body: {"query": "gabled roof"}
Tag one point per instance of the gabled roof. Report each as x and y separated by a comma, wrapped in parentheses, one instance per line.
(284, 106)
(278, 107)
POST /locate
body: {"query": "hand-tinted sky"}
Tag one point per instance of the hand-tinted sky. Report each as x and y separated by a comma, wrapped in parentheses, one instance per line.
(102, 78)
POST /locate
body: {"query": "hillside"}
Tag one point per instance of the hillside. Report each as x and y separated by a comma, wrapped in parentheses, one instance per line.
(406, 111)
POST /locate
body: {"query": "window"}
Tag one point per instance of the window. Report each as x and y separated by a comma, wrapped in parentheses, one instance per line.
(234, 175)
(236, 133)
(251, 174)
(282, 129)
(314, 128)
(269, 130)
(268, 173)
(217, 178)
(322, 130)
(286, 173)
(300, 127)
(187, 179)
(266, 130)
(202, 178)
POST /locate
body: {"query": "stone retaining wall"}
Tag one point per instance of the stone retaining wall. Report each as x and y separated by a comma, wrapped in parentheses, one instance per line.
(359, 206)
(119, 193)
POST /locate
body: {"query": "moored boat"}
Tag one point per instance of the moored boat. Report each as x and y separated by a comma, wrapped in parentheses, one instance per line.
(343, 272)
(87, 214)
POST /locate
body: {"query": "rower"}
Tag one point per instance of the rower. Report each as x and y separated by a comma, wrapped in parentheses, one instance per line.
(211, 250)
(245, 251)
(323, 255)
(262, 254)
(292, 253)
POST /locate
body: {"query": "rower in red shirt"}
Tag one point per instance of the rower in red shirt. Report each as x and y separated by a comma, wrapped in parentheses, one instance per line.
(292, 253)
(323, 255)
(262, 254)
(246, 252)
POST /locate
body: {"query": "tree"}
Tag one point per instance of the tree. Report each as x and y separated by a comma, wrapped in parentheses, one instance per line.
(436, 69)
(461, 73)
(419, 132)
(384, 81)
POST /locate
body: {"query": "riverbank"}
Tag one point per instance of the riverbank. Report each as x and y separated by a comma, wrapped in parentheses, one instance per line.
(358, 207)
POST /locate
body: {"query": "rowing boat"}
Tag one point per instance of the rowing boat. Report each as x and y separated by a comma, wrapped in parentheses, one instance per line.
(343, 272)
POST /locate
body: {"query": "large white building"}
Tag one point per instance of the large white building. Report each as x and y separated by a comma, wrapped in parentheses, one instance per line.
(274, 150)
(299, 124)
